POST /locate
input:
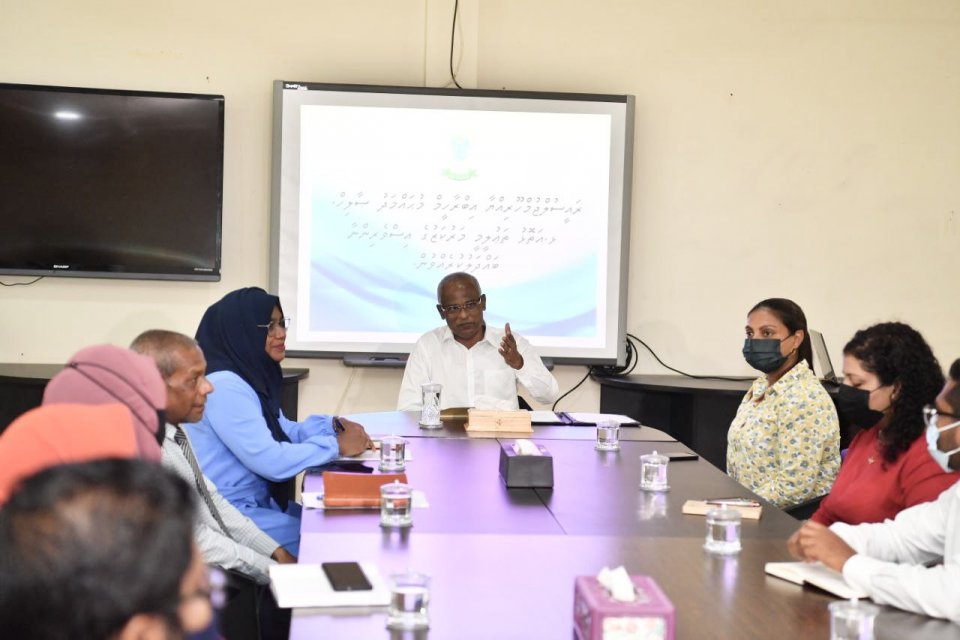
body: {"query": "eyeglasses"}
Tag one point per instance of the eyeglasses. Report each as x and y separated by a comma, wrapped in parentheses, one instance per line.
(275, 325)
(454, 309)
(190, 384)
(930, 415)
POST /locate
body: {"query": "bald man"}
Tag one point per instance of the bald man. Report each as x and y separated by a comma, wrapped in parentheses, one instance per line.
(479, 366)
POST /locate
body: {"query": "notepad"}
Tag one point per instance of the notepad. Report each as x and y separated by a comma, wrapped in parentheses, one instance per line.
(700, 508)
(815, 574)
(356, 489)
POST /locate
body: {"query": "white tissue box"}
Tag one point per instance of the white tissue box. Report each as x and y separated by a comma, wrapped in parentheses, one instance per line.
(597, 616)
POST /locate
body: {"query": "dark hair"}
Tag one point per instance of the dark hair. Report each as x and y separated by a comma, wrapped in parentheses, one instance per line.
(896, 353)
(162, 346)
(791, 315)
(459, 276)
(85, 547)
(953, 396)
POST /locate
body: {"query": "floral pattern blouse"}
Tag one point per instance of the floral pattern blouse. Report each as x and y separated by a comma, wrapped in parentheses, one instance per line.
(784, 443)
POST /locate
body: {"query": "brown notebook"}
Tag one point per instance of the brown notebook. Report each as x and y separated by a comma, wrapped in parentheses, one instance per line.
(356, 489)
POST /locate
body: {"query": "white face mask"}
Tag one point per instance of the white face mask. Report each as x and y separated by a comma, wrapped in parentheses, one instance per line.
(942, 458)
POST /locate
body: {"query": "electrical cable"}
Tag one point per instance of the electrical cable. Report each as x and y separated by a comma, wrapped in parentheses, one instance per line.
(22, 284)
(582, 380)
(689, 375)
(453, 35)
(613, 371)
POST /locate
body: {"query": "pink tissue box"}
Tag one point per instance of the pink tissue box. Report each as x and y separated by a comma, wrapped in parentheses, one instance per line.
(596, 616)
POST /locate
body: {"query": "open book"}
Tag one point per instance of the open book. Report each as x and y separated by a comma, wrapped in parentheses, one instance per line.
(815, 574)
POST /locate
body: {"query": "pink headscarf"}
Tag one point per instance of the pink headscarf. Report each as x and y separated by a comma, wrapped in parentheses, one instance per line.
(51, 435)
(107, 374)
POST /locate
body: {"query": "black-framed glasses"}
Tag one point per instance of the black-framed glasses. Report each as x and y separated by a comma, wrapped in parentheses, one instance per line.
(275, 325)
(454, 309)
(931, 413)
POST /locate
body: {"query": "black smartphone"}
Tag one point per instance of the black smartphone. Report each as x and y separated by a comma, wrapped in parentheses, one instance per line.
(346, 576)
(682, 455)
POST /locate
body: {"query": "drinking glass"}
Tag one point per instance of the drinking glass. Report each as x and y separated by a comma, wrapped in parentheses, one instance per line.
(430, 407)
(608, 435)
(852, 620)
(409, 601)
(723, 531)
(393, 451)
(653, 472)
(396, 502)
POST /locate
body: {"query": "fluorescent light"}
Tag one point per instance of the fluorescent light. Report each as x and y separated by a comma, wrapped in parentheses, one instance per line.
(67, 115)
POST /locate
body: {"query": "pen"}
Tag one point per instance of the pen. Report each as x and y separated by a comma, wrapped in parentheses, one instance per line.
(737, 502)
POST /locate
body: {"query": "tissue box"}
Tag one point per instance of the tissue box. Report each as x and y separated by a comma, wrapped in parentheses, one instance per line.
(596, 616)
(519, 471)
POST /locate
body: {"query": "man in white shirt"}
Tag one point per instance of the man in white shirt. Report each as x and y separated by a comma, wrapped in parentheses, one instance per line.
(478, 366)
(889, 560)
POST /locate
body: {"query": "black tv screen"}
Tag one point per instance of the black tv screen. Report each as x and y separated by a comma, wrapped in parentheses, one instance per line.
(110, 183)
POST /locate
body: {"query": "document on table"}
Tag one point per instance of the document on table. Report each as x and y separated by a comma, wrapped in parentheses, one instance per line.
(580, 418)
(314, 500)
(373, 455)
(593, 418)
(306, 585)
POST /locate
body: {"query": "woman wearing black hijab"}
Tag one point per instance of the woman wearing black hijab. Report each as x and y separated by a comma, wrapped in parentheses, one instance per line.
(244, 443)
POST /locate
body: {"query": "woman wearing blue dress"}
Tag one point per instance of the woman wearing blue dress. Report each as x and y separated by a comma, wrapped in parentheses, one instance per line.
(244, 443)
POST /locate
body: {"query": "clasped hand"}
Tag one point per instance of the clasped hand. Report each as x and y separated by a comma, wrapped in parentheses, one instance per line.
(813, 542)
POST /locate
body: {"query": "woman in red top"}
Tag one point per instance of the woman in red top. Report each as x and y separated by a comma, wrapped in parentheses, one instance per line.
(890, 373)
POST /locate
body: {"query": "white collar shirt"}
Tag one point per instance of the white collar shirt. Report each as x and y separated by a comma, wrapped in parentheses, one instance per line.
(477, 377)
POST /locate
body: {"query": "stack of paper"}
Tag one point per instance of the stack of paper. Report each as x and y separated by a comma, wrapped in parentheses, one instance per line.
(306, 585)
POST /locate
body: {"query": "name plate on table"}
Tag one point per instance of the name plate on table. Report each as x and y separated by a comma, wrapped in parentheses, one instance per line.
(498, 423)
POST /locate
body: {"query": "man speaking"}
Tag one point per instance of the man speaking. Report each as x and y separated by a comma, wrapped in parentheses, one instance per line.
(478, 366)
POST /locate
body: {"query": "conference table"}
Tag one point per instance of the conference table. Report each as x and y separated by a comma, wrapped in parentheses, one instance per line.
(503, 561)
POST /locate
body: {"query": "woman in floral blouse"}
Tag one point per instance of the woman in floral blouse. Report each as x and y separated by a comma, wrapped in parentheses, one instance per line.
(784, 443)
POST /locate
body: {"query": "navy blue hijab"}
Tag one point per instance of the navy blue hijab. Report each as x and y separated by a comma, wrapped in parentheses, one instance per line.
(232, 341)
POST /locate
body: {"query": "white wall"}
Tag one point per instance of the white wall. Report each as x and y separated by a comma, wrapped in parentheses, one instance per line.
(808, 150)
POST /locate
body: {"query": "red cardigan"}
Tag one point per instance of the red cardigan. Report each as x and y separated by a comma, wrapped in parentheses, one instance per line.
(866, 491)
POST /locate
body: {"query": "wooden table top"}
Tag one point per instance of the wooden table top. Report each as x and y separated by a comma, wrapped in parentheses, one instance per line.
(503, 562)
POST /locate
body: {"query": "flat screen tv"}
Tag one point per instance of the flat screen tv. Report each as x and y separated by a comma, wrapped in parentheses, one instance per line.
(107, 183)
(378, 192)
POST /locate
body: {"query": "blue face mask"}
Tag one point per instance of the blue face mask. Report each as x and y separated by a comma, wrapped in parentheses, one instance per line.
(933, 435)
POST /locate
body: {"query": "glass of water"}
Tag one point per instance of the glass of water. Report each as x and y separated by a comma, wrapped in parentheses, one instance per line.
(396, 503)
(409, 601)
(393, 453)
(723, 531)
(852, 620)
(608, 435)
(430, 407)
(653, 472)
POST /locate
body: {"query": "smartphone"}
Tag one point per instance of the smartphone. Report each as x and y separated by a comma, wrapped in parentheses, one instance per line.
(346, 576)
(682, 455)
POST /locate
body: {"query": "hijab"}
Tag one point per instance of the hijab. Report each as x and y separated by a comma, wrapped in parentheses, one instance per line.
(62, 433)
(106, 374)
(232, 341)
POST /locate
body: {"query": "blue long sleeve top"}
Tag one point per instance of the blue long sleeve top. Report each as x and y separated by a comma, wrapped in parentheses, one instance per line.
(236, 451)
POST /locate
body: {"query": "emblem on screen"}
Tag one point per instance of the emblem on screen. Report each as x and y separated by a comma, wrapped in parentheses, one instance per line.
(459, 169)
